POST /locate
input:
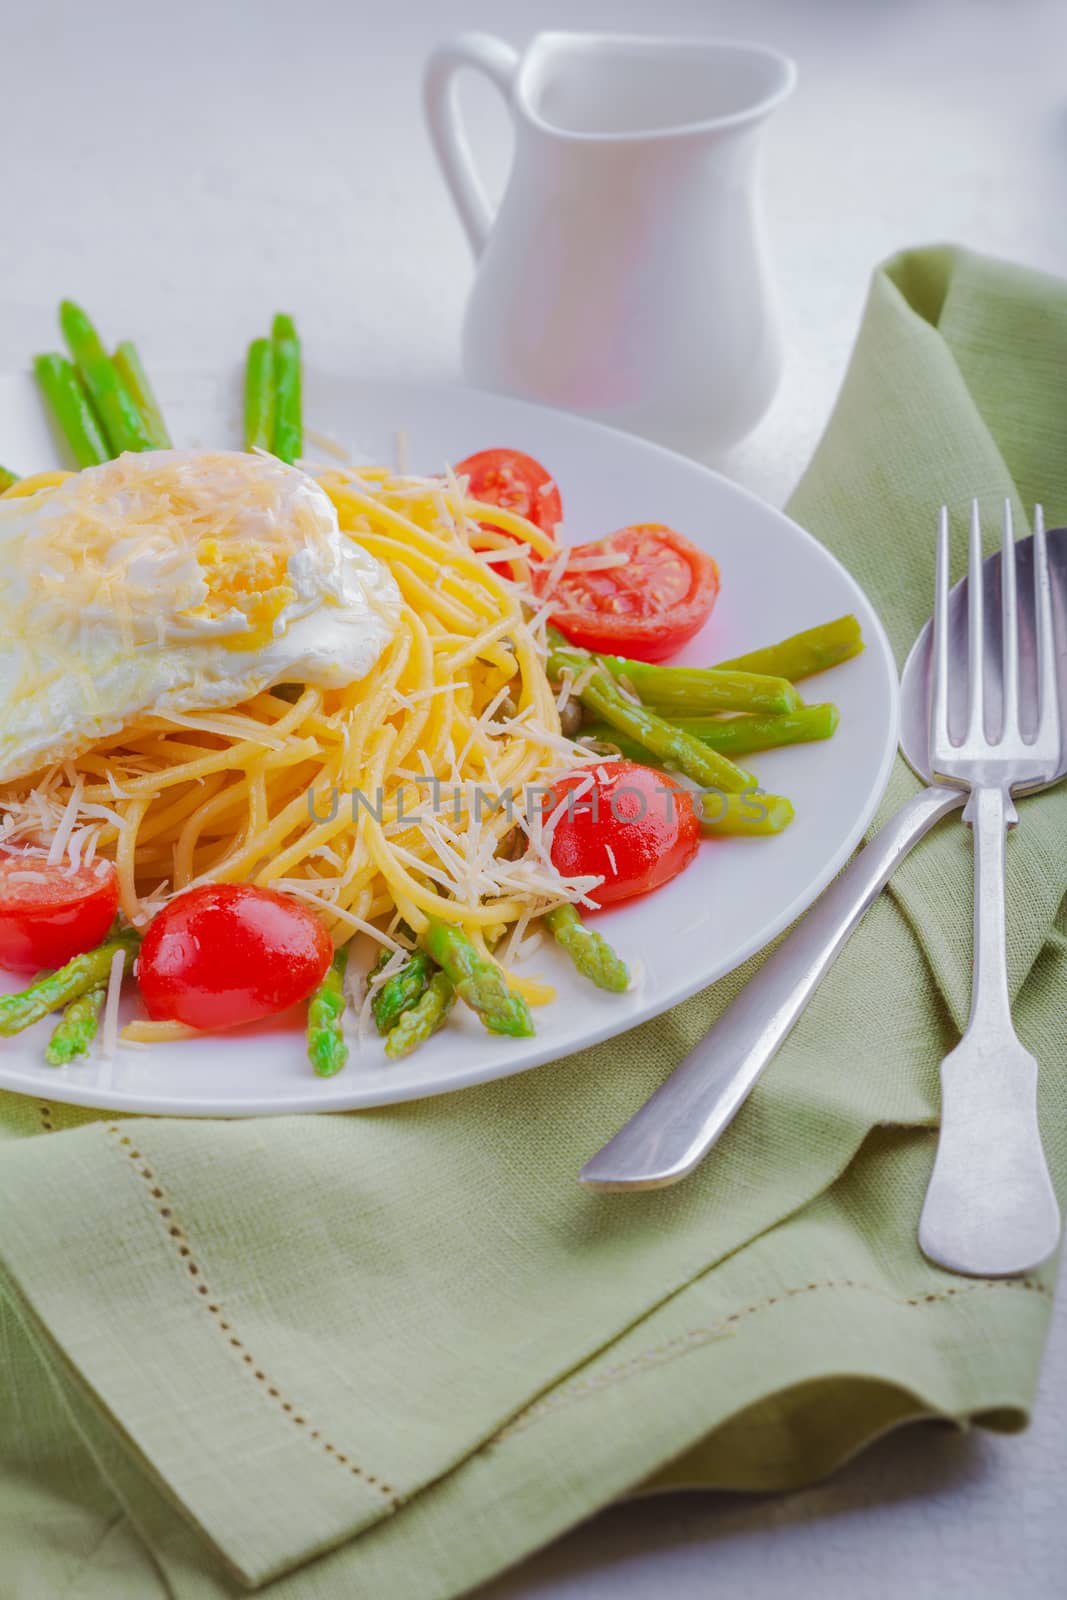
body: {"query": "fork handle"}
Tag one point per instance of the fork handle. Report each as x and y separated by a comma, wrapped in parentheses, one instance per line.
(990, 812)
(990, 1210)
(678, 1125)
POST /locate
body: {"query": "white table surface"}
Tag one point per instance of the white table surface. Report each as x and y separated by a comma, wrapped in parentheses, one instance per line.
(186, 169)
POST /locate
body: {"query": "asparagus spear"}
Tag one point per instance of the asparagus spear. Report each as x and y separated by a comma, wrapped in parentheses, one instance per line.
(259, 396)
(742, 735)
(659, 738)
(88, 971)
(735, 736)
(327, 1050)
(7, 479)
(115, 405)
(478, 982)
(699, 690)
(422, 1019)
(288, 424)
(401, 990)
(72, 409)
(591, 954)
(804, 653)
(131, 370)
(751, 813)
(76, 1029)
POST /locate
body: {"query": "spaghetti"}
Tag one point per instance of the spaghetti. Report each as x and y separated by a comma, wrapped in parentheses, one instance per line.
(408, 795)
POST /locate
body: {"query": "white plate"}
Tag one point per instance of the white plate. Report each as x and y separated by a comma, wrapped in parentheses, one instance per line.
(734, 899)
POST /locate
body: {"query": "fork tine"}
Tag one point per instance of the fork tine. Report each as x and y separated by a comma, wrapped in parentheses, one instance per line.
(1009, 631)
(975, 631)
(939, 729)
(1048, 728)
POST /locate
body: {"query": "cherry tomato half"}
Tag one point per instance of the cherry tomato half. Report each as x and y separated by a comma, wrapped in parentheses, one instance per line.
(228, 953)
(48, 914)
(634, 827)
(646, 607)
(517, 483)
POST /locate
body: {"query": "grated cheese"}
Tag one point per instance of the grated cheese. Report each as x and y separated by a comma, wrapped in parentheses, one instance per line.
(392, 966)
(66, 824)
(555, 572)
(325, 441)
(600, 563)
(110, 1034)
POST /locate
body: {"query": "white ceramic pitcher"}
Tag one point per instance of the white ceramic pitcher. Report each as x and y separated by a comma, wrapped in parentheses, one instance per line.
(625, 274)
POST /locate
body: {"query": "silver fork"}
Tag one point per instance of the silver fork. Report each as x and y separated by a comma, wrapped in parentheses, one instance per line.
(990, 1210)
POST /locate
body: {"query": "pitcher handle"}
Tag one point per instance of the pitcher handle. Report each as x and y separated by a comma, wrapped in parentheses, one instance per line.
(499, 62)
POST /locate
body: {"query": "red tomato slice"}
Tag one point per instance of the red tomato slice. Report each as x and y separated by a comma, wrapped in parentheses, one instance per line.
(636, 828)
(646, 608)
(517, 483)
(228, 953)
(48, 914)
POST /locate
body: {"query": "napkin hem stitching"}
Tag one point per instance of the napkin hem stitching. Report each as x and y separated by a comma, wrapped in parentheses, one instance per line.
(699, 1337)
(212, 1305)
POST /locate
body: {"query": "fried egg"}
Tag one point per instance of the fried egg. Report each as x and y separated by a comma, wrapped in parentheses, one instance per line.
(171, 582)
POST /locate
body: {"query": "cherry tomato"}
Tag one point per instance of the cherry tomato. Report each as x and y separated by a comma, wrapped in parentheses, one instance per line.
(634, 827)
(228, 953)
(48, 914)
(517, 483)
(646, 608)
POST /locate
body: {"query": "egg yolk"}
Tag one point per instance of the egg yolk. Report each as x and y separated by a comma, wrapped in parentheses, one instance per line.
(244, 577)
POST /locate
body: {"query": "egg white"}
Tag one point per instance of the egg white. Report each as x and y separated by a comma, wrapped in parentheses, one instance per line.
(106, 614)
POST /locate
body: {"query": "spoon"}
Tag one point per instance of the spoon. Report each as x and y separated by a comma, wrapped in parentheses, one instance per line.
(679, 1124)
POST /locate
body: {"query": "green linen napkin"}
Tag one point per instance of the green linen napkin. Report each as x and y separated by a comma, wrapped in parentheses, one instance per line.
(388, 1353)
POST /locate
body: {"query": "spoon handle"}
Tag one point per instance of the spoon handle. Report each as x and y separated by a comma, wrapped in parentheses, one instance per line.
(678, 1125)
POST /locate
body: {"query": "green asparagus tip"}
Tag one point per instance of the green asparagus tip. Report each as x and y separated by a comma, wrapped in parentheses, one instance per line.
(76, 1029)
(328, 1053)
(401, 990)
(591, 954)
(479, 982)
(422, 1019)
(284, 327)
(79, 331)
